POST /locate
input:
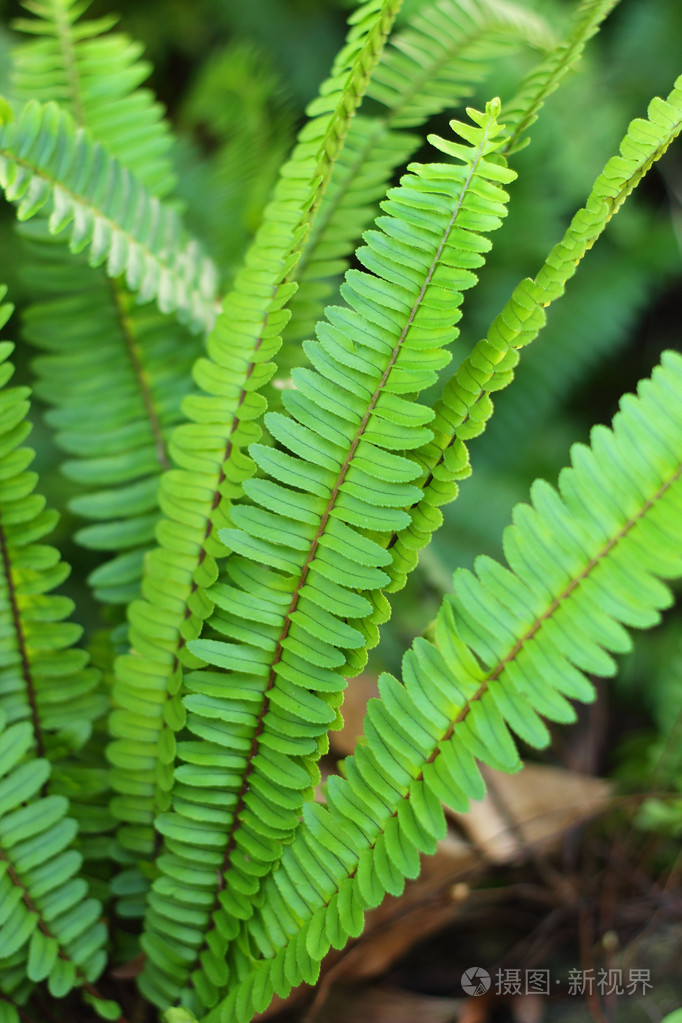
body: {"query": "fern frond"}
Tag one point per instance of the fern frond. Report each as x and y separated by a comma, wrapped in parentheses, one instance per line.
(68, 60)
(310, 539)
(511, 646)
(209, 452)
(465, 406)
(429, 67)
(545, 79)
(48, 695)
(44, 680)
(116, 425)
(49, 923)
(46, 163)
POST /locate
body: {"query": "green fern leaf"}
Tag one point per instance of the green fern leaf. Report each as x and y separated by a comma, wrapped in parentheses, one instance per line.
(46, 163)
(286, 655)
(49, 926)
(448, 48)
(465, 406)
(209, 453)
(43, 679)
(586, 563)
(68, 60)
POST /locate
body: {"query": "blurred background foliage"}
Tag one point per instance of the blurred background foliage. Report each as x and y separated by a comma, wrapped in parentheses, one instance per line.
(235, 77)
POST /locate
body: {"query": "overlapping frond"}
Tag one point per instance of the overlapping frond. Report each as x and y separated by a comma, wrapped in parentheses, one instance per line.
(48, 164)
(512, 646)
(113, 374)
(308, 539)
(465, 405)
(94, 74)
(209, 451)
(430, 66)
(114, 425)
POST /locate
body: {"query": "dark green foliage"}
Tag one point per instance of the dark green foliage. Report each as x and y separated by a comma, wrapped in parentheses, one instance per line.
(256, 476)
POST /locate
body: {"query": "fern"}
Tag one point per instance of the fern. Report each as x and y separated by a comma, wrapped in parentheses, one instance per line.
(209, 452)
(255, 547)
(296, 626)
(43, 680)
(94, 73)
(48, 701)
(117, 427)
(511, 646)
(431, 66)
(46, 162)
(465, 405)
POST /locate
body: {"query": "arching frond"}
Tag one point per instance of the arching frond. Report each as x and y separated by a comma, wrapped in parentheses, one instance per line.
(309, 539)
(512, 646)
(48, 164)
(209, 453)
(449, 47)
(465, 405)
(94, 74)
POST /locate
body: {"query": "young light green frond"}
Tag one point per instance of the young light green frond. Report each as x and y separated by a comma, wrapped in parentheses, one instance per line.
(545, 79)
(465, 406)
(512, 646)
(50, 925)
(209, 451)
(114, 384)
(69, 60)
(307, 541)
(429, 67)
(48, 164)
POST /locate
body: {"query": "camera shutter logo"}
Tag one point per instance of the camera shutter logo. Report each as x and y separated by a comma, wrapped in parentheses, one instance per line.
(475, 980)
